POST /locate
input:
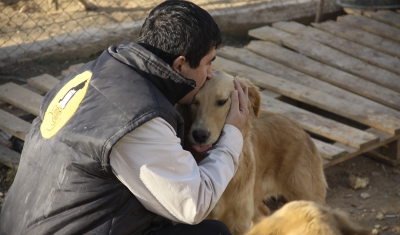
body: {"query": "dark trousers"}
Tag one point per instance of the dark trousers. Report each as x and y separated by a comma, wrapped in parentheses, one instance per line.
(206, 227)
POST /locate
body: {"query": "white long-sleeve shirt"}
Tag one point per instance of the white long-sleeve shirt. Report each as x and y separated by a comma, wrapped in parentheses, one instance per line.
(166, 179)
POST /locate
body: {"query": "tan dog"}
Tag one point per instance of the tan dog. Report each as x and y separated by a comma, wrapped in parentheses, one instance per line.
(278, 156)
(308, 218)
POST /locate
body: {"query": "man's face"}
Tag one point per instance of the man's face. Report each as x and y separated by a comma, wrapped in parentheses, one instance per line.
(199, 75)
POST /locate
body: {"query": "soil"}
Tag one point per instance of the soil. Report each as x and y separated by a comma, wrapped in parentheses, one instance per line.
(382, 208)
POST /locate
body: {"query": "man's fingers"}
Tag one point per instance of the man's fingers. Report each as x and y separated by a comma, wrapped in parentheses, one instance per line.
(246, 96)
(239, 111)
(235, 100)
(243, 95)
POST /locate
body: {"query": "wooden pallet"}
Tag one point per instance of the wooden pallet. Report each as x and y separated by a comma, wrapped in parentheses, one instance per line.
(28, 98)
(339, 79)
(342, 89)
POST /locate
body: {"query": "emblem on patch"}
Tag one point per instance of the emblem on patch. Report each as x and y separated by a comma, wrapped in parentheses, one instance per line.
(64, 104)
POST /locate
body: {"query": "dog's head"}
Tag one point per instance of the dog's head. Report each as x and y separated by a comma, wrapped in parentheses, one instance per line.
(210, 108)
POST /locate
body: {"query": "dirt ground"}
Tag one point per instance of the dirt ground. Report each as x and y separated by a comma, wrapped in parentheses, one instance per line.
(381, 208)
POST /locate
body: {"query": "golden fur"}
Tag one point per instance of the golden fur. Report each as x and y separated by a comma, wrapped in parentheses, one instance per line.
(308, 218)
(278, 156)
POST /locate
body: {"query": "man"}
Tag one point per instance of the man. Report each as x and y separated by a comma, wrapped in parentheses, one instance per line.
(105, 157)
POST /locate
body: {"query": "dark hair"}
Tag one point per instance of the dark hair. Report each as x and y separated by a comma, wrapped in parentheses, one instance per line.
(179, 28)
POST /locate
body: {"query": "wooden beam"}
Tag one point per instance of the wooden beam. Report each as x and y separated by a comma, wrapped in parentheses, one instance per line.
(14, 125)
(354, 152)
(385, 16)
(269, 34)
(329, 151)
(372, 26)
(356, 50)
(310, 96)
(44, 82)
(342, 61)
(9, 157)
(360, 36)
(319, 125)
(283, 63)
(289, 26)
(21, 97)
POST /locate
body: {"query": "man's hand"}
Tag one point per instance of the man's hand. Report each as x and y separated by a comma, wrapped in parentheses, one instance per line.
(239, 111)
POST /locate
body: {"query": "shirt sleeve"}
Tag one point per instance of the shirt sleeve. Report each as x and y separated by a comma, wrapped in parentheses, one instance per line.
(166, 179)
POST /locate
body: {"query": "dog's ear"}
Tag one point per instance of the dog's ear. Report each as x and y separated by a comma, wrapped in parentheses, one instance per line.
(254, 94)
(184, 111)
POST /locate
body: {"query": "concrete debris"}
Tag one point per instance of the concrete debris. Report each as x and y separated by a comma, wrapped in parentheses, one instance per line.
(358, 182)
(380, 216)
(365, 195)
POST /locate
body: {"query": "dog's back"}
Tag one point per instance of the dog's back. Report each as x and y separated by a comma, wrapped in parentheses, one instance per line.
(288, 163)
(308, 218)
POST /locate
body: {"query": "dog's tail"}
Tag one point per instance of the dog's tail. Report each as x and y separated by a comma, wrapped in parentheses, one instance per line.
(348, 226)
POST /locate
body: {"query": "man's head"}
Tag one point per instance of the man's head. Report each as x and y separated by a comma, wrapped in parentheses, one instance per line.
(186, 37)
(180, 28)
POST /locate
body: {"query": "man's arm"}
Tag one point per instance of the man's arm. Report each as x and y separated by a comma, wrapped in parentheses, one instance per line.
(166, 179)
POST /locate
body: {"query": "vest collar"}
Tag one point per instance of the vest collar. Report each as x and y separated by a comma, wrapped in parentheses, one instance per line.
(173, 85)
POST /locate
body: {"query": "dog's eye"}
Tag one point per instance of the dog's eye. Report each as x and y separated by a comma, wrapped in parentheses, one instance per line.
(196, 103)
(221, 102)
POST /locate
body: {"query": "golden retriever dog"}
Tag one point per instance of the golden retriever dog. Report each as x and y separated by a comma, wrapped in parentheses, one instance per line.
(308, 218)
(278, 156)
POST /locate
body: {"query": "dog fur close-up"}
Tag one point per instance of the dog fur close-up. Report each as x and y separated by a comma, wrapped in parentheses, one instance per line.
(308, 218)
(278, 156)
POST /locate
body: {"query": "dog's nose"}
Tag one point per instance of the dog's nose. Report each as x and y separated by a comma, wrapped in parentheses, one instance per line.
(200, 136)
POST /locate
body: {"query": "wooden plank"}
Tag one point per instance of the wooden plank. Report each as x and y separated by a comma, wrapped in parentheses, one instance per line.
(71, 69)
(329, 151)
(354, 152)
(65, 72)
(9, 157)
(320, 125)
(13, 125)
(21, 97)
(360, 36)
(391, 150)
(361, 52)
(43, 82)
(289, 26)
(75, 66)
(365, 53)
(310, 96)
(342, 61)
(272, 94)
(353, 11)
(385, 16)
(372, 26)
(382, 135)
(269, 34)
(382, 158)
(34, 89)
(286, 63)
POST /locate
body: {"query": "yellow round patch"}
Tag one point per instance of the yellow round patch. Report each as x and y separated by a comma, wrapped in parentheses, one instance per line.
(64, 104)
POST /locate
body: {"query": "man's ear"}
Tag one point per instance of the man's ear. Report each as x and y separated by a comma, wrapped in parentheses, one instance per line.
(178, 63)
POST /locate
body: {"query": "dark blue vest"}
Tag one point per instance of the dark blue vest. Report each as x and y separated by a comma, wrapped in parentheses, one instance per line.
(64, 183)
